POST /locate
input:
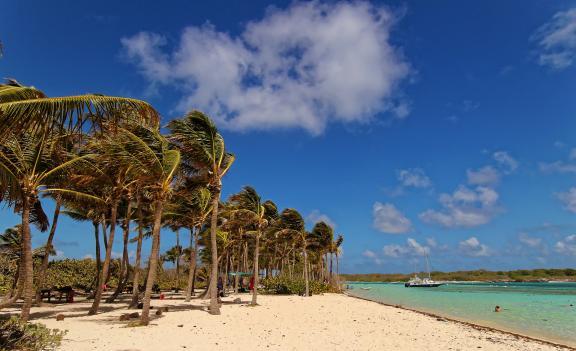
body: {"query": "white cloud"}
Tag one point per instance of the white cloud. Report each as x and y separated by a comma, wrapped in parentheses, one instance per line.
(567, 246)
(304, 66)
(557, 40)
(315, 216)
(464, 208)
(369, 254)
(414, 177)
(88, 256)
(59, 255)
(557, 167)
(487, 175)
(573, 154)
(529, 241)
(411, 249)
(473, 248)
(568, 199)
(388, 219)
(506, 161)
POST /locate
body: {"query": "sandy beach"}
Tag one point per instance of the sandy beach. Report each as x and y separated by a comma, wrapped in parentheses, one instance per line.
(330, 321)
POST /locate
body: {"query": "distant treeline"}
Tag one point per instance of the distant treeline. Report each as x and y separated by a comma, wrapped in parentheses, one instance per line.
(520, 275)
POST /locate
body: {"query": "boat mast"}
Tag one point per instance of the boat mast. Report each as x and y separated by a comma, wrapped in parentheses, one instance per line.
(427, 265)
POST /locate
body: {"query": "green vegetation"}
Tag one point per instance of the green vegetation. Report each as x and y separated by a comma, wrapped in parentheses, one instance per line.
(104, 161)
(286, 286)
(16, 334)
(521, 275)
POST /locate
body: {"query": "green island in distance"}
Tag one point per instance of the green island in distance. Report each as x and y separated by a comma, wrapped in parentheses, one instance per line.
(520, 275)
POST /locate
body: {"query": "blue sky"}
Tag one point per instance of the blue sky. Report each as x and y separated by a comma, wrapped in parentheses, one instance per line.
(444, 127)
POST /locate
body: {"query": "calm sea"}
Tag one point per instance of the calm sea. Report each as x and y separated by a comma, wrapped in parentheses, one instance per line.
(540, 310)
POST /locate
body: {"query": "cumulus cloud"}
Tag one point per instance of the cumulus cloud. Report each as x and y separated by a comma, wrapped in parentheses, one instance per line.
(473, 248)
(316, 216)
(487, 175)
(411, 249)
(567, 246)
(557, 40)
(414, 177)
(300, 67)
(464, 208)
(88, 256)
(508, 163)
(568, 198)
(388, 219)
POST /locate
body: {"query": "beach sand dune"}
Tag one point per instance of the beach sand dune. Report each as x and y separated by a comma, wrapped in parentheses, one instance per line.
(327, 322)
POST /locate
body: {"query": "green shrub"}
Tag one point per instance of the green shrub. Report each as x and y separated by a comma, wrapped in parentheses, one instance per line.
(286, 286)
(18, 335)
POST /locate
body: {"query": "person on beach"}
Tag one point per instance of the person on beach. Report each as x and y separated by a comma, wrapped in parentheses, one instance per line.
(220, 286)
(251, 283)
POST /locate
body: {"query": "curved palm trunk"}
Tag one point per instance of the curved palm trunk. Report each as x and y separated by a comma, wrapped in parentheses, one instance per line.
(26, 257)
(256, 275)
(154, 252)
(305, 268)
(47, 249)
(106, 266)
(136, 279)
(214, 307)
(192, 267)
(96, 225)
(125, 264)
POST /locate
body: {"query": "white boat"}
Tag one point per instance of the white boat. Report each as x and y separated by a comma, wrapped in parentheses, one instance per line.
(427, 282)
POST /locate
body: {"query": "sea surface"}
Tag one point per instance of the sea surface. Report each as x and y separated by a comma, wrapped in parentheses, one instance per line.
(540, 310)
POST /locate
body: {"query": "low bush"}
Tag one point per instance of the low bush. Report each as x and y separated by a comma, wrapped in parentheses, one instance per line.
(18, 335)
(291, 286)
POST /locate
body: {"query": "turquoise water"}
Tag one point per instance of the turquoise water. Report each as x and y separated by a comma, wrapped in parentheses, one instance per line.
(540, 310)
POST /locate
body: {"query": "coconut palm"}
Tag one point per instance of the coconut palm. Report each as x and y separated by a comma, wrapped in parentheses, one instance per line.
(248, 205)
(26, 168)
(28, 109)
(149, 156)
(197, 138)
(291, 224)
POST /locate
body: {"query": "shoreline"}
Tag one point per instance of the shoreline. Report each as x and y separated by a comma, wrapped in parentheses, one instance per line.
(469, 324)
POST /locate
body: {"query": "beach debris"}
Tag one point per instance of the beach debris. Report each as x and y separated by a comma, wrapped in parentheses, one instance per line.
(159, 312)
(129, 316)
(237, 300)
(60, 317)
(180, 325)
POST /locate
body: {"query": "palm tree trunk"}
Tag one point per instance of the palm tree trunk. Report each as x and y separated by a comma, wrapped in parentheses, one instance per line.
(125, 264)
(154, 253)
(256, 275)
(26, 257)
(177, 260)
(106, 266)
(96, 225)
(47, 249)
(214, 307)
(191, 267)
(136, 278)
(193, 293)
(307, 291)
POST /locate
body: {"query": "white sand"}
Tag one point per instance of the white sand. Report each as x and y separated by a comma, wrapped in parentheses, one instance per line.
(328, 322)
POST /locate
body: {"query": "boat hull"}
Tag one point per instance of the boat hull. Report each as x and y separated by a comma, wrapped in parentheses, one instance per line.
(424, 285)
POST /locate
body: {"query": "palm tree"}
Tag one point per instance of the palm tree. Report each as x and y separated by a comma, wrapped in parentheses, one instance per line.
(25, 169)
(322, 236)
(247, 203)
(337, 250)
(28, 109)
(292, 224)
(197, 138)
(146, 152)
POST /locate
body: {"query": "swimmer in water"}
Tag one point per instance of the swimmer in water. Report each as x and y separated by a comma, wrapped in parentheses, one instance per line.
(497, 309)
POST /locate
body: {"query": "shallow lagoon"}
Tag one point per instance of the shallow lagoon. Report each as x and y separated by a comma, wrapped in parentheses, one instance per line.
(540, 310)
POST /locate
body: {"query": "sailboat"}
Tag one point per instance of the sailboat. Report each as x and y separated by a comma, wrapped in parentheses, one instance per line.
(426, 282)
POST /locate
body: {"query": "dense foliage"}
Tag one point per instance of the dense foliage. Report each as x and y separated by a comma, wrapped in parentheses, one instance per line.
(281, 285)
(18, 335)
(521, 275)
